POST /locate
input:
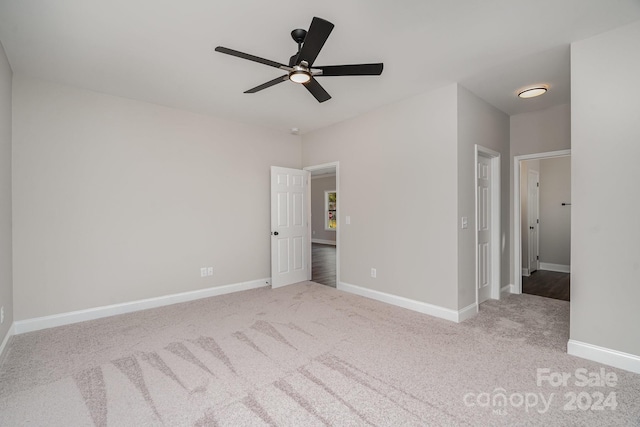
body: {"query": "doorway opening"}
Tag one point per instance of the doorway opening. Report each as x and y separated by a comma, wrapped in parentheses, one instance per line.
(324, 230)
(542, 215)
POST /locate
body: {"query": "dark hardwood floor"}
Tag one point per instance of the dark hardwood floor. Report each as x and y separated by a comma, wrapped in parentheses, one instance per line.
(323, 264)
(548, 284)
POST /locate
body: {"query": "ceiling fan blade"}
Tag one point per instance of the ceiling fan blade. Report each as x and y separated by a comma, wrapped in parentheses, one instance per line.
(268, 84)
(351, 70)
(316, 90)
(316, 37)
(250, 57)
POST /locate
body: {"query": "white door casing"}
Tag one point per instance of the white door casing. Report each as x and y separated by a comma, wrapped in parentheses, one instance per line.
(289, 226)
(517, 213)
(533, 201)
(484, 251)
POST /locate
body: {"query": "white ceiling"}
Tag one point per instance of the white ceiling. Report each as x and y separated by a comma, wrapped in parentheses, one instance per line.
(161, 51)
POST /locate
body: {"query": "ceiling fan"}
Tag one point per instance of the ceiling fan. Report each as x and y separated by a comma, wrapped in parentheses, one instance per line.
(301, 68)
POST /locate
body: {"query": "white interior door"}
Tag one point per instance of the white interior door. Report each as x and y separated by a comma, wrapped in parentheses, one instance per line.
(484, 225)
(289, 226)
(533, 199)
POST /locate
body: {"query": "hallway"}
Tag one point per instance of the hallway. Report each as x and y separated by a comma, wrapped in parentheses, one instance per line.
(549, 284)
(323, 264)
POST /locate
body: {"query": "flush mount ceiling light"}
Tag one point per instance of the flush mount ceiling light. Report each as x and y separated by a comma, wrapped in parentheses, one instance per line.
(532, 92)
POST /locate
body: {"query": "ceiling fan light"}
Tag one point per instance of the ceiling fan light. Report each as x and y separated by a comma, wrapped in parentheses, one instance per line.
(299, 76)
(532, 92)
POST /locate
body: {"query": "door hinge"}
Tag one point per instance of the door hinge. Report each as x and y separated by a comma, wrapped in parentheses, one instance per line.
(537, 221)
(537, 257)
(537, 184)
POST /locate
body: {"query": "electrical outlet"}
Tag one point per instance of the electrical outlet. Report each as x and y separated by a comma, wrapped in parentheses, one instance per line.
(206, 271)
(373, 273)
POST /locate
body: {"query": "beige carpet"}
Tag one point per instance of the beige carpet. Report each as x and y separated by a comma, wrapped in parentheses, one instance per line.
(308, 355)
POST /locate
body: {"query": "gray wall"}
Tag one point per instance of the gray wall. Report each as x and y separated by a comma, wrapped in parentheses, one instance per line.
(318, 187)
(555, 219)
(420, 151)
(541, 131)
(398, 183)
(6, 285)
(118, 200)
(482, 124)
(605, 258)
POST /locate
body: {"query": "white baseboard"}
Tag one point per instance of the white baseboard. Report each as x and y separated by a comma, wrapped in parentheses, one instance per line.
(5, 341)
(467, 312)
(38, 323)
(419, 306)
(559, 268)
(324, 242)
(508, 289)
(617, 359)
(525, 272)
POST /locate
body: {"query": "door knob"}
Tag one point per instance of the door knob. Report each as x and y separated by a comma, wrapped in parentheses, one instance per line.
(275, 233)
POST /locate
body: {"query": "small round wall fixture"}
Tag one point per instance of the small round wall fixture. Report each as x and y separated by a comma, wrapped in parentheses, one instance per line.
(532, 92)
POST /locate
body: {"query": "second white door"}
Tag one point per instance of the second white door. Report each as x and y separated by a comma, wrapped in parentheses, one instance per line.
(533, 198)
(484, 228)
